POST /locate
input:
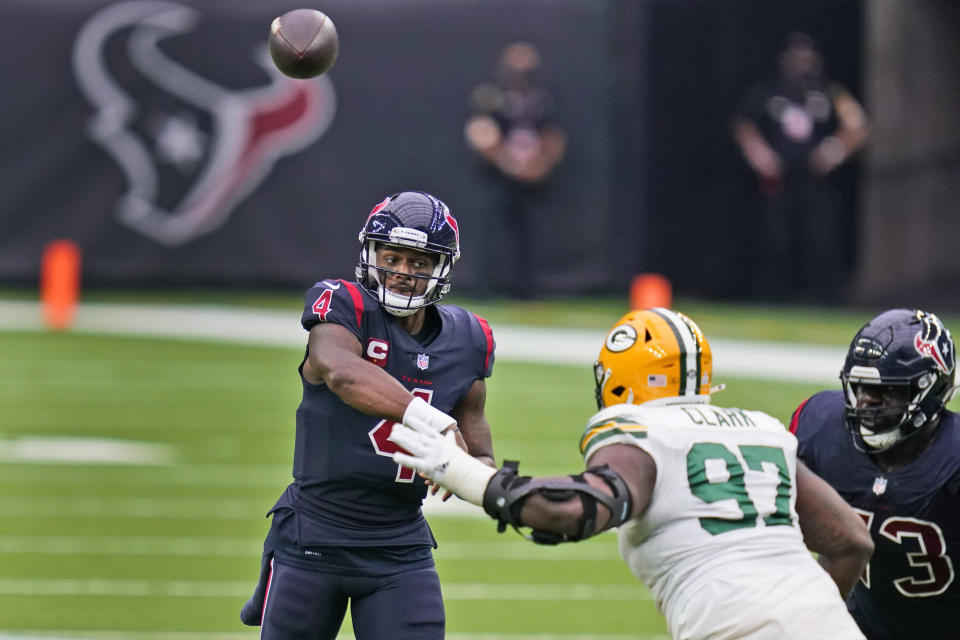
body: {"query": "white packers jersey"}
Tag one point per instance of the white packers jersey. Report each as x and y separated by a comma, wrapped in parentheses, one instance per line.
(722, 512)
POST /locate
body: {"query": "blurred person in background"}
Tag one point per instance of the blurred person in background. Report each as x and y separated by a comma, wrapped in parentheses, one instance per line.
(890, 448)
(794, 130)
(714, 512)
(350, 529)
(514, 131)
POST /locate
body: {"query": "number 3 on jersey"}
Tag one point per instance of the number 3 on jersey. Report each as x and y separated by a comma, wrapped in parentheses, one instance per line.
(926, 549)
(708, 461)
(384, 447)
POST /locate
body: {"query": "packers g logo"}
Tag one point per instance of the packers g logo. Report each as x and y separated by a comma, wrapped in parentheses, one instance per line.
(621, 338)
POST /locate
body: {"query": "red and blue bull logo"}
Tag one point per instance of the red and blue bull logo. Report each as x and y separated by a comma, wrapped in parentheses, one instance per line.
(933, 341)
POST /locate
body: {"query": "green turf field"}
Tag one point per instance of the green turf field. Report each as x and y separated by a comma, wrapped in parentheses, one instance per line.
(163, 542)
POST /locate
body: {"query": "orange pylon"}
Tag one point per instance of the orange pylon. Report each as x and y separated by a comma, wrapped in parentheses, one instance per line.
(60, 283)
(650, 290)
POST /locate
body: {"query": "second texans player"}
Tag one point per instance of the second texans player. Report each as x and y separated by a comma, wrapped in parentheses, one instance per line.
(890, 448)
(349, 529)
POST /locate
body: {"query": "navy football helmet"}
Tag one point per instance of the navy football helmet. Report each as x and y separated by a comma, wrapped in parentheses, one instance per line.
(906, 348)
(414, 220)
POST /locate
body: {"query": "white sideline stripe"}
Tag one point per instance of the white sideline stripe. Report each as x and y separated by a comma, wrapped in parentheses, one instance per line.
(271, 478)
(206, 475)
(129, 546)
(735, 358)
(47, 449)
(511, 548)
(172, 508)
(242, 589)
(343, 635)
(113, 507)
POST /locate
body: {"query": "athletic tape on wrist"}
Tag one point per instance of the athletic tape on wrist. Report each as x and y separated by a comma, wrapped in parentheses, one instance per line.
(467, 477)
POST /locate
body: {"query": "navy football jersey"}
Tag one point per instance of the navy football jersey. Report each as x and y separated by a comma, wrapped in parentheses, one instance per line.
(344, 476)
(910, 587)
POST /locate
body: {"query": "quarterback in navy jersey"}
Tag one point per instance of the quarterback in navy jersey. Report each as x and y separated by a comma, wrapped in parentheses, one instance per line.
(889, 447)
(349, 529)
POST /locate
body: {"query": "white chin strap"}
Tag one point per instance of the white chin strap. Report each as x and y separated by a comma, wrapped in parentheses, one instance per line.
(880, 440)
(398, 305)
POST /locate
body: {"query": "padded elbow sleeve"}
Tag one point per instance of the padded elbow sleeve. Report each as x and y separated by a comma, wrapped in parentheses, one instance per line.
(507, 491)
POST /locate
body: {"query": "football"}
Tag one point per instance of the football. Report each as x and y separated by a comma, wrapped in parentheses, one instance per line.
(303, 43)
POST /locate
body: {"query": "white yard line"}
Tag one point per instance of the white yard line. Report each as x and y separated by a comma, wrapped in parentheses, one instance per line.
(343, 635)
(56, 449)
(232, 589)
(175, 508)
(735, 358)
(509, 547)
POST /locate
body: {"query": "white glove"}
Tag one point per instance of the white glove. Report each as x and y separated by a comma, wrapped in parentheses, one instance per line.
(437, 457)
(420, 409)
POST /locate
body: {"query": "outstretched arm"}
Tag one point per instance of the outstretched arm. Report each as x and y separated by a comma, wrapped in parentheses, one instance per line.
(334, 358)
(832, 529)
(633, 465)
(558, 509)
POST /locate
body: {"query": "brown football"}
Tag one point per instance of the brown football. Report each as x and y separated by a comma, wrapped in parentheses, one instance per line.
(303, 43)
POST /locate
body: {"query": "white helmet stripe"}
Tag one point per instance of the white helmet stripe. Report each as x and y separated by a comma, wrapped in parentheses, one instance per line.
(690, 351)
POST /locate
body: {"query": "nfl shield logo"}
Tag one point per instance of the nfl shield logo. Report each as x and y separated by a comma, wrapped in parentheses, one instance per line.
(423, 361)
(879, 485)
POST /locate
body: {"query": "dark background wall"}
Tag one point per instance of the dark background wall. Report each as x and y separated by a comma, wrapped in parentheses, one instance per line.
(910, 228)
(703, 56)
(401, 82)
(646, 89)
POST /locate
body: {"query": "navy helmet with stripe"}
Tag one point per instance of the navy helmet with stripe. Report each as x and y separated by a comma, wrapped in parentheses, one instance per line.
(654, 356)
(415, 220)
(906, 348)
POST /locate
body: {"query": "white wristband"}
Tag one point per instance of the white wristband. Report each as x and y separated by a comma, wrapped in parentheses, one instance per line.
(420, 410)
(467, 477)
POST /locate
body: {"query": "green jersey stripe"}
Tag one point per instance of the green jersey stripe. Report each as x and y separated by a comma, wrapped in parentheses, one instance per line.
(590, 440)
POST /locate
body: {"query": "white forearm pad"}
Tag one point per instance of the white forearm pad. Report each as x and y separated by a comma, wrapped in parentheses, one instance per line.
(420, 410)
(467, 477)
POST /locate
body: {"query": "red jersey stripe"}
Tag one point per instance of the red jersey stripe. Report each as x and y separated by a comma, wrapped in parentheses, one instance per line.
(795, 418)
(488, 334)
(266, 596)
(357, 300)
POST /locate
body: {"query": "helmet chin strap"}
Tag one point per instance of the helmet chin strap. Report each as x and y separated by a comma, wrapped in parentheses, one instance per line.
(886, 440)
(396, 304)
(878, 442)
(399, 306)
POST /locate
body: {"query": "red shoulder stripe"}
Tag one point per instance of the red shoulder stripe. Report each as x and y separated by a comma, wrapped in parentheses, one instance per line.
(795, 419)
(357, 300)
(488, 334)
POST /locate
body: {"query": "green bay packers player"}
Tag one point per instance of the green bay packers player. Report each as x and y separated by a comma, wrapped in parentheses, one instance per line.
(713, 511)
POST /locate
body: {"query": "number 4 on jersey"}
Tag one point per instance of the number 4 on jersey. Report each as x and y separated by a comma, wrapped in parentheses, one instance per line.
(322, 305)
(384, 447)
